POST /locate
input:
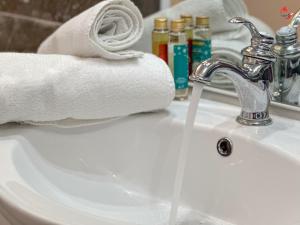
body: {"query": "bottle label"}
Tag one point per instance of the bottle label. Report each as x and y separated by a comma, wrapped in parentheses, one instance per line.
(163, 52)
(181, 62)
(190, 47)
(201, 50)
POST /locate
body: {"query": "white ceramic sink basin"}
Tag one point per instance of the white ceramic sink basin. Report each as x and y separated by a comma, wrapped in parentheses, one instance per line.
(122, 172)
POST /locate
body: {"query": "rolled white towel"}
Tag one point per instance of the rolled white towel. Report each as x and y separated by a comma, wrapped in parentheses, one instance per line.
(106, 30)
(55, 87)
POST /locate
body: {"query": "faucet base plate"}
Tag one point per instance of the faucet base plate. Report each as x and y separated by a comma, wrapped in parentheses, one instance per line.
(254, 118)
(254, 122)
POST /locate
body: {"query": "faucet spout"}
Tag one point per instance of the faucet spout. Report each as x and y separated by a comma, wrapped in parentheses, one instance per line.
(251, 79)
(205, 72)
(251, 83)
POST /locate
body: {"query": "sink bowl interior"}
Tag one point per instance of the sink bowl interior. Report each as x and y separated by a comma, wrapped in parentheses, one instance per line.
(125, 169)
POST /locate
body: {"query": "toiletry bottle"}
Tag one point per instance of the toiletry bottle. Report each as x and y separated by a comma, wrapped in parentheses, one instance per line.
(201, 41)
(178, 58)
(160, 38)
(189, 29)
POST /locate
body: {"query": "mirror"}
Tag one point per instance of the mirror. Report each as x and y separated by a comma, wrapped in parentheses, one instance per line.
(227, 42)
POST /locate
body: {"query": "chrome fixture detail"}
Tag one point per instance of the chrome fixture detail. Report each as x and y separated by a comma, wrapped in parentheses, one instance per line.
(287, 67)
(295, 21)
(251, 79)
(224, 147)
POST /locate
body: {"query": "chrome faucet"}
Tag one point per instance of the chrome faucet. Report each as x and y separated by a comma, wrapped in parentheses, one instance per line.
(287, 67)
(251, 79)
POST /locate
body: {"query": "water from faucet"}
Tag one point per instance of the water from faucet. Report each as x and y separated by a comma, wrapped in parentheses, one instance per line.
(190, 118)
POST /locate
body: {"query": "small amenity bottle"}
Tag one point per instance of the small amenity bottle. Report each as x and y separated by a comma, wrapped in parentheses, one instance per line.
(178, 58)
(189, 29)
(201, 41)
(160, 38)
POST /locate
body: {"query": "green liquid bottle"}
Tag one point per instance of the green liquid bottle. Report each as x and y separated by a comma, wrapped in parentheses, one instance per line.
(160, 38)
(189, 30)
(178, 58)
(201, 41)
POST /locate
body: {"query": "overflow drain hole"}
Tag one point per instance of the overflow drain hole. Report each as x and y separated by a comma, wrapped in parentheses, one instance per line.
(224, 147)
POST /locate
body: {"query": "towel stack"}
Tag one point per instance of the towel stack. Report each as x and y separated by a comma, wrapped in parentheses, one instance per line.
(106, 30)
(85, 71)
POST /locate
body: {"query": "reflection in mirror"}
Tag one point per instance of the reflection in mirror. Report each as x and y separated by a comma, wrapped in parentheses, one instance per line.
(278, 18)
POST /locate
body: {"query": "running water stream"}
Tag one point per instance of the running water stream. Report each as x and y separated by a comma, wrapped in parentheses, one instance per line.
(191, 115)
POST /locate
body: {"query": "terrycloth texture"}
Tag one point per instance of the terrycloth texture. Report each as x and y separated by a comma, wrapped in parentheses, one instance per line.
(55, 87)
(106, 30)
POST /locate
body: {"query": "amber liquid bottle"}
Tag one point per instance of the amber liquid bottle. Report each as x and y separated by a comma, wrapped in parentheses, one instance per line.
(160, 38)
(189, 30)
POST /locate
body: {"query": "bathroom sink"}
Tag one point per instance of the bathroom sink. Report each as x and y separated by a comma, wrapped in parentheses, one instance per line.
(122, 172)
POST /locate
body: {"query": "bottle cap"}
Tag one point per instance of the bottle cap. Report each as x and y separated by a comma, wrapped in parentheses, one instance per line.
(202, 21)
(161, 23)
(188, 19)
(178, 25)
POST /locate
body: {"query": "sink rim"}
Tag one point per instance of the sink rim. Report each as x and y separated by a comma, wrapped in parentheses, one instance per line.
(222, 122)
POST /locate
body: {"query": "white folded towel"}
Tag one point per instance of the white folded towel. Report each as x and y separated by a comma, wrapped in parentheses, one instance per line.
(55, 87)
(106, 30)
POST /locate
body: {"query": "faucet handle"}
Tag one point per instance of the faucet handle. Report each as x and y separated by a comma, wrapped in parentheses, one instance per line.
(261, 43)
(295, 20)
(248, 24)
